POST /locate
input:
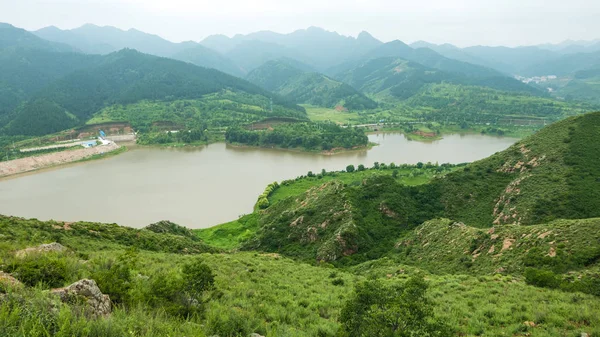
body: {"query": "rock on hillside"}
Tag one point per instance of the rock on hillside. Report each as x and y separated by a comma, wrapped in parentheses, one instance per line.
(87, 292)
(7, 281)
(320, 221)
(44, 248)
(444, 245)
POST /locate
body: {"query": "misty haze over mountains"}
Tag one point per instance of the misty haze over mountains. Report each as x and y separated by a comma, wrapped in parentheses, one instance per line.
(313, 46)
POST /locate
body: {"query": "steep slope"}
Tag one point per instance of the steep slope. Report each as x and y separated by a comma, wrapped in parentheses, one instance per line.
(282, 77)
(550, 175)
(28, 63)
(122, 78)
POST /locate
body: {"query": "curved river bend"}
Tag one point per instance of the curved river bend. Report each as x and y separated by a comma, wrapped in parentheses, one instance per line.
(202, 187)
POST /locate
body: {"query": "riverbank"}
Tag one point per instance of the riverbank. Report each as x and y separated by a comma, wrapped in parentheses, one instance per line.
(28, 164)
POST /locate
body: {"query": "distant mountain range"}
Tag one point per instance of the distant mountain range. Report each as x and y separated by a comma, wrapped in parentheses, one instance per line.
(321, 49)
(61, 78)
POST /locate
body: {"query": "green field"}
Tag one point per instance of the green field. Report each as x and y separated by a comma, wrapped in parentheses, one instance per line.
(319, 114)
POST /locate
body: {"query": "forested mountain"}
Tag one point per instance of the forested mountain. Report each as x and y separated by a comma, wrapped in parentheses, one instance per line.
(23, 72)
(282, 77)
(401, 79)
(93, 39)
(29, 63)
(325, 49)
(478, 75)
(121, 78)
(393, 77)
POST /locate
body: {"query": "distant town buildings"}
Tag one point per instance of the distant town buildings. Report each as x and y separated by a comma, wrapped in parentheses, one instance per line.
(536, 79)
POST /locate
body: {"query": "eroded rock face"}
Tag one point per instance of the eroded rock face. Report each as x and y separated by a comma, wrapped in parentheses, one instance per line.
(45, 248)
(86, 292)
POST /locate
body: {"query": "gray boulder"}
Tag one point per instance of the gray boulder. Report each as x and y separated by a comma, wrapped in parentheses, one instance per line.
(87, 293)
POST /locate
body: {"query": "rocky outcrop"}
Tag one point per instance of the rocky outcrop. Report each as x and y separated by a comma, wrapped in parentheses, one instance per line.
(7, 281)
(87, 293)
(45, 248)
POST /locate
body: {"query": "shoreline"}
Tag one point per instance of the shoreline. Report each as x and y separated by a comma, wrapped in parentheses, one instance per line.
(28, 165)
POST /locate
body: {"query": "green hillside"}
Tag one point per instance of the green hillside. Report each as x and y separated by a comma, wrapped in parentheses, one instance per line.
(144, 272)
(299, 86)
(126, 77)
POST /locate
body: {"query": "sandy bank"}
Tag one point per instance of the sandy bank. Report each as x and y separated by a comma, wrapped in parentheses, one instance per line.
(51, 159)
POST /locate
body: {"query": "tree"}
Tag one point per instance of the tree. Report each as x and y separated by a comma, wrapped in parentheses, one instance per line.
(375, 309)
(361, 167)
(350, 168)
(395, 174)
(376, 165)
(198, 277)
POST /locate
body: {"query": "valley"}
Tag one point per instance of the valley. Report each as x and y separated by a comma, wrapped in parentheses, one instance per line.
(297, 184)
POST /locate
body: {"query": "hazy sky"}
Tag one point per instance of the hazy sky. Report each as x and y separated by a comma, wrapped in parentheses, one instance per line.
(461, 22)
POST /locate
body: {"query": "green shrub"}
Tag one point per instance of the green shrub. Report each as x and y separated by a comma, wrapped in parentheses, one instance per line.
(398, 310)
(50, 270)
(114, 277)
(541, 278)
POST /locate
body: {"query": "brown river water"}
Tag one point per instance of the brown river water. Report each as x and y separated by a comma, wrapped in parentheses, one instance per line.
(206, 186)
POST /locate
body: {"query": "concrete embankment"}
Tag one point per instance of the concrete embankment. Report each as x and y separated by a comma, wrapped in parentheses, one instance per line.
(52, 159)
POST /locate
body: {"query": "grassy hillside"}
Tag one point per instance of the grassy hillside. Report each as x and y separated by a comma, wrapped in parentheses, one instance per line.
(299, 86)
(253, 292)
(547, 176)
(445, 246)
